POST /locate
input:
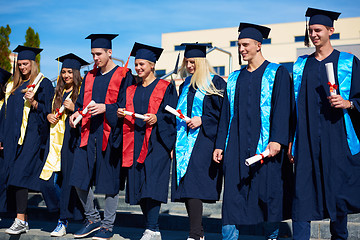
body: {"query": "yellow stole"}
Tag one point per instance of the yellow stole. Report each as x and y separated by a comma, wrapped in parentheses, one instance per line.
(1, 103)
(53, 160)
(26, 111)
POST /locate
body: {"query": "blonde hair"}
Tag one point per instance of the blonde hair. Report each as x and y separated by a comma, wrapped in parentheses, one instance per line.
(201, 79)
(18, 77)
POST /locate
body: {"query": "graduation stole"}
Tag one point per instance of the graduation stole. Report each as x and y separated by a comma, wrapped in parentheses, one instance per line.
(185, 141)
(267, 83)
(344, 73)
(53, 160)
(1, 103)
(129, 122)
(110, 98)
(26, 111)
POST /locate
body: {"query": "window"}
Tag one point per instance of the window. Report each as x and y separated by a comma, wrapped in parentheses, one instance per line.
(335, 36)
(266, 41)
(288, 66)
(220, 70)
(233, 43)
(299, 38)
(160, 72)
(179, 47)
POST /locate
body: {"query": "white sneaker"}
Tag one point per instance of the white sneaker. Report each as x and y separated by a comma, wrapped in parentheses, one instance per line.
(151, 235)
(60, 229)
(202, 238)
(18, 227)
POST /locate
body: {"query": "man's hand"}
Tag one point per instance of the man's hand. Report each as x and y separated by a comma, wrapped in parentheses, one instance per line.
(337, 101)
(218, 155)
(97, 108)
(120, 112)
(289, 154)
(274, 148)
(72, 119)
(151, 120)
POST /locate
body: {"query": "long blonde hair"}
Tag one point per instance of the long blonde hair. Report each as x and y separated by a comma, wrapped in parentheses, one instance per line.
(201, 79)
(18, 77)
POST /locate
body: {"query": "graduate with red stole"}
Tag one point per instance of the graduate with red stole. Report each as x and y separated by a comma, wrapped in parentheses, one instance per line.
(147, 143)
(325, 148)
(97, 161)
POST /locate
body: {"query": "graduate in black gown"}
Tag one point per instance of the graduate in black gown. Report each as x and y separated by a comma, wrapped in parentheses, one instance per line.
(196, 178)
(97, 161)
(255, 117)
(24, 131)
(326, 148)
(59, 154)
(147, 143)
(4, 77)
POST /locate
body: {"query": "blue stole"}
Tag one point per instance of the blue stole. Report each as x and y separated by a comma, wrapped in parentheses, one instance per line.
(267, 83)
(345, 64)
(185, 141)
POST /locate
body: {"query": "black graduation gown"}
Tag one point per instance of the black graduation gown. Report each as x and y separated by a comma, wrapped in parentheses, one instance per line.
(254, 194)
(25, 161)
(69, 203)
(203, 177)
(92, 166)
(3, 180)
(151, 178)
(327, 176)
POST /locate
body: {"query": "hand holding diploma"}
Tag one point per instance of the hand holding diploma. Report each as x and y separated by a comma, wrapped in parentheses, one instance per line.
(177, 113)
(331, 77)
(36, 81)
(79, 115)
(257, 157)
(143, 117)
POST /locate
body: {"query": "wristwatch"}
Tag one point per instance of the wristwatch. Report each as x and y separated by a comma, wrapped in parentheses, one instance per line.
(352, 105)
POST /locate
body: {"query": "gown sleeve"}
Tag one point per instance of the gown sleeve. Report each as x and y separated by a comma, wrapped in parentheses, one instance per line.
(223, 123)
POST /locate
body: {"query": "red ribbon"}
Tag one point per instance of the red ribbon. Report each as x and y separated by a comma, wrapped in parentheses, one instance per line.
(133, 115)
(31, 86)
(58, 112)
(181, 115)
(262, 158)
(332, 86)
(81, 112)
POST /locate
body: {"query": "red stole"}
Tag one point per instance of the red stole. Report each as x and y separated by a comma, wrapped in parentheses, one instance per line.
(128, 128)
(110, 98)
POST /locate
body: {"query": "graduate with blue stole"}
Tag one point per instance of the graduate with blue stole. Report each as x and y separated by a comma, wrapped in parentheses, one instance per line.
(96, 158)
(59, 154)
(326, 146)
(4, 77)
(147, 143)
(196, 178)
(255, 117)
(24, 130)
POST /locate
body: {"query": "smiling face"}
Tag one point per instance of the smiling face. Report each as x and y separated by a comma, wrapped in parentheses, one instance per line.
(67, 75)
(190, 65)
(320, 34)
(25, 68)
(248, 48)
(143, 67)
(101, 56)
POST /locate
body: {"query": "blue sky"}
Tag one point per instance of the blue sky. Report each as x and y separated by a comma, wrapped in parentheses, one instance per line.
(63, 25)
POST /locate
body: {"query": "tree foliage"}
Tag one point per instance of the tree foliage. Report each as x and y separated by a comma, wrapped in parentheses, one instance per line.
(4, 48)
(32, 39)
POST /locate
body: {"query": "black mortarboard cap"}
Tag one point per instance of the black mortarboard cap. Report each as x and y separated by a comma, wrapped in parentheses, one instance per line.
(101, 40)
(142, 51)
(253, 31)
(323, 17)
(195, 50)
(4, 76)
(72, 61)
(27, 53)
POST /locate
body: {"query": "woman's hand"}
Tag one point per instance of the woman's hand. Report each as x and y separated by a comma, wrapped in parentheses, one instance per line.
(52, 118)
(120, 112)
(151, 120)
(195, 122)
(68, 104)
(29, 96)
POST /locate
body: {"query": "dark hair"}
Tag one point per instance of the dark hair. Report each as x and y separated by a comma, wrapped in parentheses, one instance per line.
(60, 86)
(306, 39)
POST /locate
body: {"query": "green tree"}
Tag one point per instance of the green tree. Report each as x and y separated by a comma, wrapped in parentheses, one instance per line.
(4, 48)
(32, 39)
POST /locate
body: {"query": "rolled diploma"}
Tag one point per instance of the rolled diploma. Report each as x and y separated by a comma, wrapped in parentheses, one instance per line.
(256, 158)
(331, 77)
(61, 110)
(173, 111)
(36, 81)
(78, 119)
(136, 115)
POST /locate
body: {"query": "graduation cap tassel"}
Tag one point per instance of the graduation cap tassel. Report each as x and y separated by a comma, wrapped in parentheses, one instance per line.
(306, 39)
(126, 65)
(239, 55)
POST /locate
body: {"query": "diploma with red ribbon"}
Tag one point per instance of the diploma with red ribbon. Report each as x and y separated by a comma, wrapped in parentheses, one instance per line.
(257, 157)
(136, 115)
(83, 112)
(177, 113)
(36, 81)
(60, 111)
(331, 77)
